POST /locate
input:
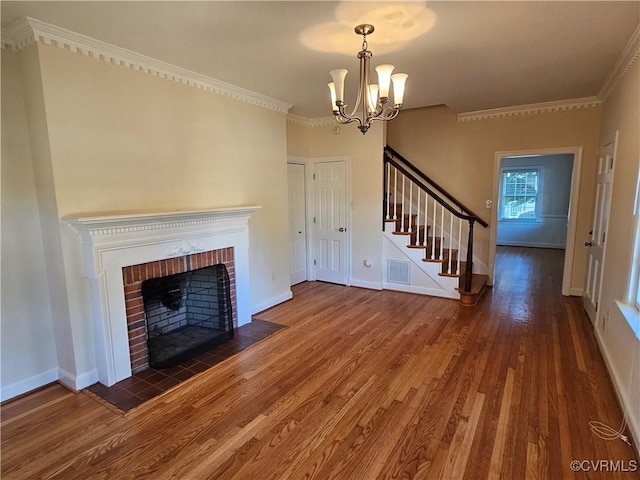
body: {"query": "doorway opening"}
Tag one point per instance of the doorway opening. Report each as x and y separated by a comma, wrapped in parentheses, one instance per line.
(535, 195)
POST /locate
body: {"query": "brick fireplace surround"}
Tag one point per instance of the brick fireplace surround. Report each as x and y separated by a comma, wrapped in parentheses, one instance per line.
(120, 251)
(134, 275)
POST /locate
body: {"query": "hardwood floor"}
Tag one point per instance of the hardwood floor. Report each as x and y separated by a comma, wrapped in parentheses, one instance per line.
(362, 385)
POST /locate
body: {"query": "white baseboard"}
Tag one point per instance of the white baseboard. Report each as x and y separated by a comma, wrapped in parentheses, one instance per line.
(557, 246)
(576, 292)
(23, 386)
(633, 421)
(421, 290)
(364, 284)
(271, 302)
(78, 382)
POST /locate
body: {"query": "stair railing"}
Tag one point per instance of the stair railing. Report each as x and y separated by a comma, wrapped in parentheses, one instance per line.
(428, 204)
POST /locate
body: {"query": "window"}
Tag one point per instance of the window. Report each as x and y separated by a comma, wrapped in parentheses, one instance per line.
(519, 199)
(630, 307)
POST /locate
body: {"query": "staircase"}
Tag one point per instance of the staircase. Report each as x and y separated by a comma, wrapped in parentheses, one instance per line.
(432, 231)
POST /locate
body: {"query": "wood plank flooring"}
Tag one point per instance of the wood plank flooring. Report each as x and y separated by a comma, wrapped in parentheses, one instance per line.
(362, 385)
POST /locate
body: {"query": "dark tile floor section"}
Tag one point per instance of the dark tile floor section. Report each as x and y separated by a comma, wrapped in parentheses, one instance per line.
(134, 391)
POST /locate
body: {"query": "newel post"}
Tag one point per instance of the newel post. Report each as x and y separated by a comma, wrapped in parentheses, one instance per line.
(469, 266)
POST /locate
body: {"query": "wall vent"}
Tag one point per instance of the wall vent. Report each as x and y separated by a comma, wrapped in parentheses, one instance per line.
(398, 271)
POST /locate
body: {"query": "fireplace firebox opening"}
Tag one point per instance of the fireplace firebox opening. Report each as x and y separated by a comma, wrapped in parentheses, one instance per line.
(186, 314)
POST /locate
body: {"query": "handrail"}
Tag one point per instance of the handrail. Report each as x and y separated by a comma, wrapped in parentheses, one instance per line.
(434, 195)
(427, 179)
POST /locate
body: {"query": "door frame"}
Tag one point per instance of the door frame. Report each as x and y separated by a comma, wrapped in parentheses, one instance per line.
(573, 209)
(308, 186)
(304, 183)
(310, 193)
(612, 138)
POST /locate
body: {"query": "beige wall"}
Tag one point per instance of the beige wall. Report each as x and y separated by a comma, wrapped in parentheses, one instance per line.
(28, 350)
(105, 138)
(298, 140)
(621, 112)
(364, 153)
(460, 156)
(366, 192)
(620, 344)
(123, 140)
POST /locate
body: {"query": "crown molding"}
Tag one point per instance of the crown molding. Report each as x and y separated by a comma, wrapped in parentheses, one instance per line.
(530, 109)
(5, 39)
(311, 122)
(25, 31)
(628, 57)
(298, 120)
(18, 34)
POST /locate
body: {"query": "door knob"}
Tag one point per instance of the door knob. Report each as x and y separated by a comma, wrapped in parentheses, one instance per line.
(588, 244)
(342, 229)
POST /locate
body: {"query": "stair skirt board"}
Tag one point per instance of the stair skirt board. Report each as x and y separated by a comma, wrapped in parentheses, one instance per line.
(419, 290)
(423, 276)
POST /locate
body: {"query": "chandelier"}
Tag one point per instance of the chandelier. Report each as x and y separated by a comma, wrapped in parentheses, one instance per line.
(372, 98)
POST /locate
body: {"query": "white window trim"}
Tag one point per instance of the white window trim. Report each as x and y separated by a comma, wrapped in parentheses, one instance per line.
(630, 307)
(633, 292)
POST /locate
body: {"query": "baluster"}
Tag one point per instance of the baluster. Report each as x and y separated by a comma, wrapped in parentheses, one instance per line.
(450, 242)
(426, 221)
(418, 218)
(388, 191)
(410, 206)
(395, 193)
(459, 245)
(433, 235)
(403, 210)
(442, 233)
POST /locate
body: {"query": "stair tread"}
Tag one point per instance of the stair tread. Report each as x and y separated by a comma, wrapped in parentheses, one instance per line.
(445, 254)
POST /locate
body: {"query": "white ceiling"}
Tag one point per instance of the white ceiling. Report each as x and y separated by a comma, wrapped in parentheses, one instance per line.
(468, 55)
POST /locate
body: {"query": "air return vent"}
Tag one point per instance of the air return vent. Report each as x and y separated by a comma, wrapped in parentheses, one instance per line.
(398, 271)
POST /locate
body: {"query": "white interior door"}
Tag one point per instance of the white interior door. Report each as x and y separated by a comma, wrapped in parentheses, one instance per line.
(331, 222)
(598, 233)
(297, 224)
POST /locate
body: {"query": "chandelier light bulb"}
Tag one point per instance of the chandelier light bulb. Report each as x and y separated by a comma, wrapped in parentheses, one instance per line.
(399, 80)
(332, 89)
(338, 81)
(384, 79)
(373, 97)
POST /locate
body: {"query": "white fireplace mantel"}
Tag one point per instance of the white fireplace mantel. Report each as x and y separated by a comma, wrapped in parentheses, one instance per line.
(110, 227)
(110, 242)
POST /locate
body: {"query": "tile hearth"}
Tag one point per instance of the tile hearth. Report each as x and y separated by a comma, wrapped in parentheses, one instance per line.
(143, 386)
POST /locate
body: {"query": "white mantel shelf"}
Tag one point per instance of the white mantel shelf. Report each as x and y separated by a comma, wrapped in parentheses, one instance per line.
(109, 223)
(108, 242)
